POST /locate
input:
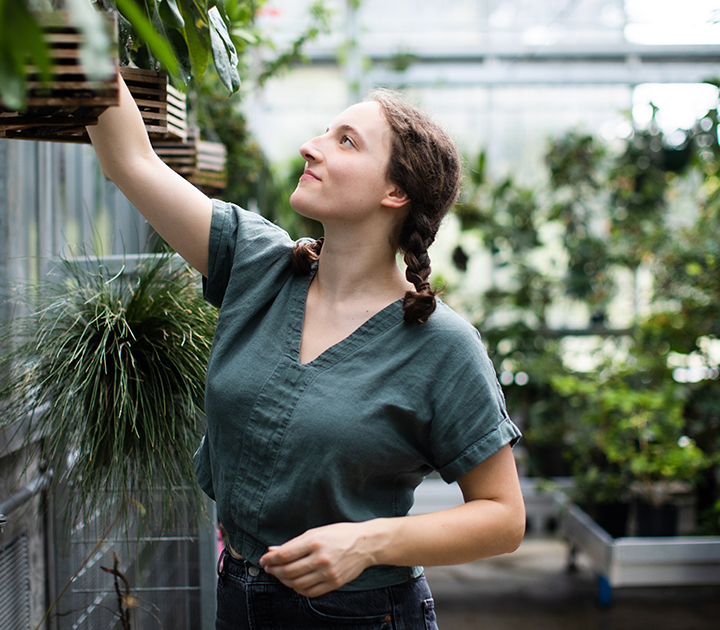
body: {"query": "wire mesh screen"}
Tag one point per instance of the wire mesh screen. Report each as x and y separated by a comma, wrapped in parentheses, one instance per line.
(125, 573)
(15, 585)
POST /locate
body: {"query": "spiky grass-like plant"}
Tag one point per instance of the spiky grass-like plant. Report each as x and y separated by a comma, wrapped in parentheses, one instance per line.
(110, 368)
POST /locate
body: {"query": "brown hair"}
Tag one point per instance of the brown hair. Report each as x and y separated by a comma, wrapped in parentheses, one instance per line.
(425, 164)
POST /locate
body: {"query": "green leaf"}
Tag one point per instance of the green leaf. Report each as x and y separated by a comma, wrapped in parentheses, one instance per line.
(223, 51)
(146, 31)
(29, 38)
(97, 46)
(170, 13)
(177, 41)
(12, 85)
(196, 37)
(22, 42)
(247, 36)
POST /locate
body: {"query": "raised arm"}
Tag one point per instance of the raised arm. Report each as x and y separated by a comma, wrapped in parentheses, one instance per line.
(489, 523)
(178, 211)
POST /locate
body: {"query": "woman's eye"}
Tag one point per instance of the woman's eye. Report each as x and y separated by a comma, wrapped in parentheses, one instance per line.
(346, 140)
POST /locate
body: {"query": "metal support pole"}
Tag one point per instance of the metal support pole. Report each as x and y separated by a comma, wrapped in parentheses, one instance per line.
(208, 543)
(22, 496)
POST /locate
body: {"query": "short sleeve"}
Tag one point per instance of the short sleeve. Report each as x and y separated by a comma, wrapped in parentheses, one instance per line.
(246, 247)
(470, 421)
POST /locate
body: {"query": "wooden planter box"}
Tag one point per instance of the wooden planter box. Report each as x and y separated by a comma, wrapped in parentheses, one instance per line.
(163, 108)
(211, 174)
(201, 163)
(60, 109)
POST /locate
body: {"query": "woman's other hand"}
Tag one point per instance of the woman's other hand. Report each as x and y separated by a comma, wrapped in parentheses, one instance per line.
(322, 559)
(489, 523)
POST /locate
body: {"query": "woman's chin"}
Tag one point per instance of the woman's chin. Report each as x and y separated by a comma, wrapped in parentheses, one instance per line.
(296, 203)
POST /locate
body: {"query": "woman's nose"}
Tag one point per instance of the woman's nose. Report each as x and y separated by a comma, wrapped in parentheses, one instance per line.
(309, 150)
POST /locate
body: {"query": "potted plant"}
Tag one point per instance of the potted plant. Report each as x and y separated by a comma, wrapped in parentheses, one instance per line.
(69, 86)
(109, 365)
(631, 442)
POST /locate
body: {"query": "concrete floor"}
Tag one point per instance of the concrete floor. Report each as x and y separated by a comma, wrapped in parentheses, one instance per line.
(532, 589)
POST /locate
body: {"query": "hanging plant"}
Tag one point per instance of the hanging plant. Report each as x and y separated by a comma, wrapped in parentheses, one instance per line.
(110, 370)
(178, 36)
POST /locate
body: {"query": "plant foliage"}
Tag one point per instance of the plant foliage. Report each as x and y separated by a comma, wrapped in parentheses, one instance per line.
(110, 370)
(181, 36)
(634, 415)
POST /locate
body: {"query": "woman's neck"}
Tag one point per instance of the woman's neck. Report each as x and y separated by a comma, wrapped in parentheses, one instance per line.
(353, 268)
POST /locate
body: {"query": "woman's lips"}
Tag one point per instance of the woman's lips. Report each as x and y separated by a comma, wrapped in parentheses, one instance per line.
(309, 175)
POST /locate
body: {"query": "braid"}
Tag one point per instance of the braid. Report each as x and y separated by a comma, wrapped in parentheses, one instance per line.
(418, 305)
(305, 254)
(425, 164)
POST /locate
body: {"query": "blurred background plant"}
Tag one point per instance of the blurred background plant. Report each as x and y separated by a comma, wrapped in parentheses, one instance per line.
(624, 408)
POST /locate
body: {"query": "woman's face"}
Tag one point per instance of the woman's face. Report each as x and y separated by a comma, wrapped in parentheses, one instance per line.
(345, 175)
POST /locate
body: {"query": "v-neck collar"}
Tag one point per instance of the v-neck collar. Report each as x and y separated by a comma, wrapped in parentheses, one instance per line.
(363, 334)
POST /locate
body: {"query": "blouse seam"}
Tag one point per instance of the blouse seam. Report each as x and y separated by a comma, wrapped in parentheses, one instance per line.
(290, 418)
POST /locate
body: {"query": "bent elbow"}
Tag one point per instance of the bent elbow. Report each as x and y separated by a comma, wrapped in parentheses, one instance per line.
(515, 531)
(517, 538)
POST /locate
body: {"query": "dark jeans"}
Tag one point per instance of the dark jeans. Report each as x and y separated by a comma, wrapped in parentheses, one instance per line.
(250, 599)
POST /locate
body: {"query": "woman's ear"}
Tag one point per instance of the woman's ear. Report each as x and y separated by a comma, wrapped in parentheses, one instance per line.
(396, 198)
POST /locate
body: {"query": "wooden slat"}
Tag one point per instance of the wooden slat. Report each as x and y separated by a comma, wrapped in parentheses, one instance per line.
(60, 109)
(67, 37)
(151, 94)
(200, 162)
(163, 107)
(46, 122)
(152, 106)
(68, 84)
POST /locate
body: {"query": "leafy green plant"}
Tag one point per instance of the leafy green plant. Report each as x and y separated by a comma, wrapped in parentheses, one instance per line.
(181, 36)
(110, 369)
(630, 436)
(576, 242)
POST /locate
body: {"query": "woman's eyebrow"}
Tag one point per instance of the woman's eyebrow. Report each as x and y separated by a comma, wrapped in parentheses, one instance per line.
(352, 131)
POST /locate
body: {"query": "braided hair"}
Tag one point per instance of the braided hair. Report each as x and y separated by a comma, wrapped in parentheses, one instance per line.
(425, 164)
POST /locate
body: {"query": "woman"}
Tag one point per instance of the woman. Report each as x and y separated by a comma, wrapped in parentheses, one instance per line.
(336, 381)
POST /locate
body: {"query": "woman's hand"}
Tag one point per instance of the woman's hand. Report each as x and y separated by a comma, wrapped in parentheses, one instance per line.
(322, 559)
(178, 211)
(489, 523)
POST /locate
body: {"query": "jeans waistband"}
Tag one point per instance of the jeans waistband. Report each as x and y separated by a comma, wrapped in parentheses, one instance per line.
(228, 564)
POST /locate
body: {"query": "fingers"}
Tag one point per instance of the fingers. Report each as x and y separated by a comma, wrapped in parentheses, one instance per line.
(318, 561)
(310, 584)
(306, 570)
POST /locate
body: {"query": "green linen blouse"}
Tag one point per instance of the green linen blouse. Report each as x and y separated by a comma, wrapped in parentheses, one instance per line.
(346, 437)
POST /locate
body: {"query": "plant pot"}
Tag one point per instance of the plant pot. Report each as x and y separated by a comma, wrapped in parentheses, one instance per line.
(210, 176)
(656, 520)
(612, 517)
(201, 163)
(163, 108)
(60, 109)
